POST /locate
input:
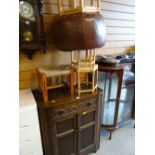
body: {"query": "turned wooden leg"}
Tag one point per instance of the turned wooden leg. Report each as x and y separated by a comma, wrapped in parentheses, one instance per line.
(78, 82)
(44, 88)
(96, 82)
(72, 82)
(93, 81)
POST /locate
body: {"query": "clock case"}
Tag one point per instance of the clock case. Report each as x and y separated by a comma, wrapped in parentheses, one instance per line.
(38, 41)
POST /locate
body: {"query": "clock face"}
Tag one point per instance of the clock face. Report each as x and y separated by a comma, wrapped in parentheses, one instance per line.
(26, 10)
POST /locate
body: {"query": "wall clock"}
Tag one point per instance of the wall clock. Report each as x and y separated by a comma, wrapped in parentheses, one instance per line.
(31, 29)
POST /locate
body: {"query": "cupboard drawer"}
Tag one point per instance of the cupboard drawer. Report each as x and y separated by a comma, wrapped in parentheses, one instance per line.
(89, 103)
(87, 117)
(58, 112)
(72, 108)
(27, 118)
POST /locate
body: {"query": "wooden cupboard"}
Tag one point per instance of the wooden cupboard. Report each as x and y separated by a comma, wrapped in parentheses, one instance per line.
(70, 125)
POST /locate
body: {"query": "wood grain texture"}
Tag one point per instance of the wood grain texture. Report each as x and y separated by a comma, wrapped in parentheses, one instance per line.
(28, 84)
(49, 18)
(119, 17)
(66, 117)
(50, 8)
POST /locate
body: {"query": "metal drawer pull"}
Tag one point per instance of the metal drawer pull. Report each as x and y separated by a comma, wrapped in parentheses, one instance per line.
(74, 107)
(84, 113)
(88, 104)
(60, 112)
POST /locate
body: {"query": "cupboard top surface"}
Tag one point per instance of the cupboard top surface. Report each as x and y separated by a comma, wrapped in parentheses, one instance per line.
(58, 98)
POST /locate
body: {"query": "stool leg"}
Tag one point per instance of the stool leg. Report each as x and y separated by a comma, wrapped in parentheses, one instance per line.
(72, 82)
(78, 81)
(44, 88)
(87, 80)
(96, 83)
(93, 81)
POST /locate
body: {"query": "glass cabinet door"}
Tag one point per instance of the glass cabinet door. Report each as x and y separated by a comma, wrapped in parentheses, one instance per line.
(117, 100)
(109, 83)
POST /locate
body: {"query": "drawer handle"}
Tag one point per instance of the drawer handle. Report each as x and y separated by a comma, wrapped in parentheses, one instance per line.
(84, 113)
(60, 112)
(88, 104)
(74, 107)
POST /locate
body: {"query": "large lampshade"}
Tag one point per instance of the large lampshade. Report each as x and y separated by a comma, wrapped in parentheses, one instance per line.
(79, 31)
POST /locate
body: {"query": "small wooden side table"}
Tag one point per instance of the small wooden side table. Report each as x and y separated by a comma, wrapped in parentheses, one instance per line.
(118, 70)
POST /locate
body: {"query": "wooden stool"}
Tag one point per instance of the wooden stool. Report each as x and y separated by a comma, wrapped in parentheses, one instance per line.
(76, 6)
(44, 74)
(85, 64)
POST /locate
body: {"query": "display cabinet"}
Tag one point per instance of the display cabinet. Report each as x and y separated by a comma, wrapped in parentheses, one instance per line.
(111, 106)
(117, 101)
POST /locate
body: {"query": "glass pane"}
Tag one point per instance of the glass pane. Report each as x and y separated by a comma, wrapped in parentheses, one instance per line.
(101, 79)
(108, 82)
(125, 105)
(127, 94)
